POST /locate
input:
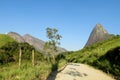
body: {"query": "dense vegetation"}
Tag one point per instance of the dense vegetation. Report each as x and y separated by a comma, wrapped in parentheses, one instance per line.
(5, 39)
(104, 55)
(10, 52)
(9, 55)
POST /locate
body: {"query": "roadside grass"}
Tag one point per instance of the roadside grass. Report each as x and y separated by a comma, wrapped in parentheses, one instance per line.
(104, 55)
(40, 71)
(11, 71)
(98, 55)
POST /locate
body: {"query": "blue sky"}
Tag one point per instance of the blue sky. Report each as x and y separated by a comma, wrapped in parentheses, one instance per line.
(73, 18)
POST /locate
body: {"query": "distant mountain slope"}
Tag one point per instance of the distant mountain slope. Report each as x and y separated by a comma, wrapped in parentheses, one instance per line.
(37, 43)
(97, 34)
(60, 50)
(16, 36)
(4, 39)
(9, 49)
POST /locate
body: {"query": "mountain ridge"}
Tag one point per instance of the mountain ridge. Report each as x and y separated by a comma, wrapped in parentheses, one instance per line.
(16, 37)
(37, 43)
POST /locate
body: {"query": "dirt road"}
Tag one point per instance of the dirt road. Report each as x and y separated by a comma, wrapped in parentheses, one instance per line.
(75, 71)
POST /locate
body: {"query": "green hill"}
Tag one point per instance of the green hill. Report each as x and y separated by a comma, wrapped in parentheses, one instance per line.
(9, 50)
(5, 39)
(9, 55)
(104, 55)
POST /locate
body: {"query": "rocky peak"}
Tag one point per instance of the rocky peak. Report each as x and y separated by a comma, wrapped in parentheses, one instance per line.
(98, 34)
(99, 29)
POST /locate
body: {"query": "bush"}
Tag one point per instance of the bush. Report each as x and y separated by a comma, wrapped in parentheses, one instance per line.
(110, 62)
(10, 52)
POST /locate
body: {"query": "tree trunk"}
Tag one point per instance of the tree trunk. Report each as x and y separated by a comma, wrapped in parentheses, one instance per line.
(54, 61)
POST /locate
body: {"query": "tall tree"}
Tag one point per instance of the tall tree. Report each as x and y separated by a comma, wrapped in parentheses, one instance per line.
(54, 40)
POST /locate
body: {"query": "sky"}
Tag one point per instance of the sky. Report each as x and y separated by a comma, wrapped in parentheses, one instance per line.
(74, 19)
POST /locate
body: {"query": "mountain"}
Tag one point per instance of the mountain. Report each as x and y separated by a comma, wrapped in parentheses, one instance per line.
(16, 37)
(60, 50)
(37, 43)
(98, 34)
(104, 55)
(9, 49)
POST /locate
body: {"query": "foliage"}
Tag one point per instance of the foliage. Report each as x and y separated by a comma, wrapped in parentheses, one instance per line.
(5, 39)
(10, 70)
(27, 71)
(110, 62)
(53, 36)
(103, 55)
(51, 46)
(10, 52)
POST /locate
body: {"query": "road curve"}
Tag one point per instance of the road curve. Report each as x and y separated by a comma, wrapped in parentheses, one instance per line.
(77, 71)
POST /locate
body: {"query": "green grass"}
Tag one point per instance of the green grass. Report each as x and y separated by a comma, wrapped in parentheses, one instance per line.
(5, 39)
(97, 56)
(9, 69)
(27, 71)
(93, 52)
(104, 55)
(40, 71)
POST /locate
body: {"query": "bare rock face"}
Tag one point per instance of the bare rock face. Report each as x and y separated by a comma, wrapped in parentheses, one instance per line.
(16, 37)
(98, 34)
(37, 43)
